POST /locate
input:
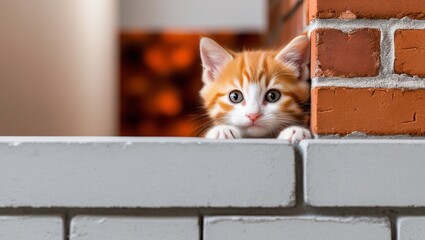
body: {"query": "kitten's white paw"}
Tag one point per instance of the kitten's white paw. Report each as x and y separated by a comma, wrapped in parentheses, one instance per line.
(223, 132)
(295, 134)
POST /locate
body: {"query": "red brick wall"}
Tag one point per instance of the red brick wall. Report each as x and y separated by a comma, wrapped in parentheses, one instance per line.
(366, 68)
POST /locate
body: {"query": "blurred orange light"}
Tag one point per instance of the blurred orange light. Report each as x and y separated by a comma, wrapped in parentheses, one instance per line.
(182, 58)
(184, 128)
(174, 37)
(168, 102)
(156, 59)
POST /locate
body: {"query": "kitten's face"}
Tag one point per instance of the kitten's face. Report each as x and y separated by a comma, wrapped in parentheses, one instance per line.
(258, 92)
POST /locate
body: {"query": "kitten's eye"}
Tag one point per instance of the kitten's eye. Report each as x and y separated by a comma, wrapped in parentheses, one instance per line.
(236, 96)
(273, 96)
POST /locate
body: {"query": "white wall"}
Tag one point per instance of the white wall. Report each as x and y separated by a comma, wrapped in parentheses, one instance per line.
(58, 67)
(180, 188)
(194, 15)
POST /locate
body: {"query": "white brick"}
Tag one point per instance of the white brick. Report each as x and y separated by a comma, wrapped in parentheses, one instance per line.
(296, 228)
(31, 228)
(411, 228)
(134, 228)
(364, 172)
(145, 172)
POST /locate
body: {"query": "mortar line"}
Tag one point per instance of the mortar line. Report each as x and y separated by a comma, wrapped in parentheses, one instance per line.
(390, 81)
(348, 25)
(393, 226)
(300, 210)
(299, 179)
(201, 227)
(67, 226)
(386, 65)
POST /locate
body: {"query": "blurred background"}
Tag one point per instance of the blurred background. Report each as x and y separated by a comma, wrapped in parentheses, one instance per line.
(122, 67)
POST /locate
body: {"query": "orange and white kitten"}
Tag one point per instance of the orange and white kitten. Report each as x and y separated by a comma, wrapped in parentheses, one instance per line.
(256, 94)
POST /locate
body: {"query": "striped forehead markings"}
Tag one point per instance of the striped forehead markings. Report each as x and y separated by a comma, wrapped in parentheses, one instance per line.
(237, 83)
(247, 64)
(255, 67)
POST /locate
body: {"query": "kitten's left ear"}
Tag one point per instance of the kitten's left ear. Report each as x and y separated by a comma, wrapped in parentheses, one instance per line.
(214, 58)
(297, 52)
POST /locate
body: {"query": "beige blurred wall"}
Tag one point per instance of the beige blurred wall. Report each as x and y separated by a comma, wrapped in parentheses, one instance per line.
(58, 67)
(194, 15)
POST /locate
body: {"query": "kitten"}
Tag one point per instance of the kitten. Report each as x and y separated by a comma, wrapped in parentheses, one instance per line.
(256, 94)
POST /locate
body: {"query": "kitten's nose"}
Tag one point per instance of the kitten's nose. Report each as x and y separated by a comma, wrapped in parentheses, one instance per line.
(253, 116)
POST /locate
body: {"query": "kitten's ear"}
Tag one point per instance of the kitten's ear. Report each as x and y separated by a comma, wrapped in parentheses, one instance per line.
(213, 57)
(297, 52)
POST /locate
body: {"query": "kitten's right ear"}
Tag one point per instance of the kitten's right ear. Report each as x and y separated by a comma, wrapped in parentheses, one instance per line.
(297, 52)
(214, 58)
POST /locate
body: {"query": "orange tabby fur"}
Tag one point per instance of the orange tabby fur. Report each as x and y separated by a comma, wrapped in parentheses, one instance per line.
(254, 73)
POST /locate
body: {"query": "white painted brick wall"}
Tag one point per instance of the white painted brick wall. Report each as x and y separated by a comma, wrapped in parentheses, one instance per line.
(145, 172)
(31, 228)
(411, 228)
(134, 228)
(160, 188)
(296, 228)
(364, 172)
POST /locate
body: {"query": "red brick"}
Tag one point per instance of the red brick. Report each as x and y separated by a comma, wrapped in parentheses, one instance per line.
(338, 54)
(371, 111)
(373, 9)
(410, 52)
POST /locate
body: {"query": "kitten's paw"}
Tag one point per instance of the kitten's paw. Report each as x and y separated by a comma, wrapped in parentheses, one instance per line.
(295, 134)
(223, 132)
